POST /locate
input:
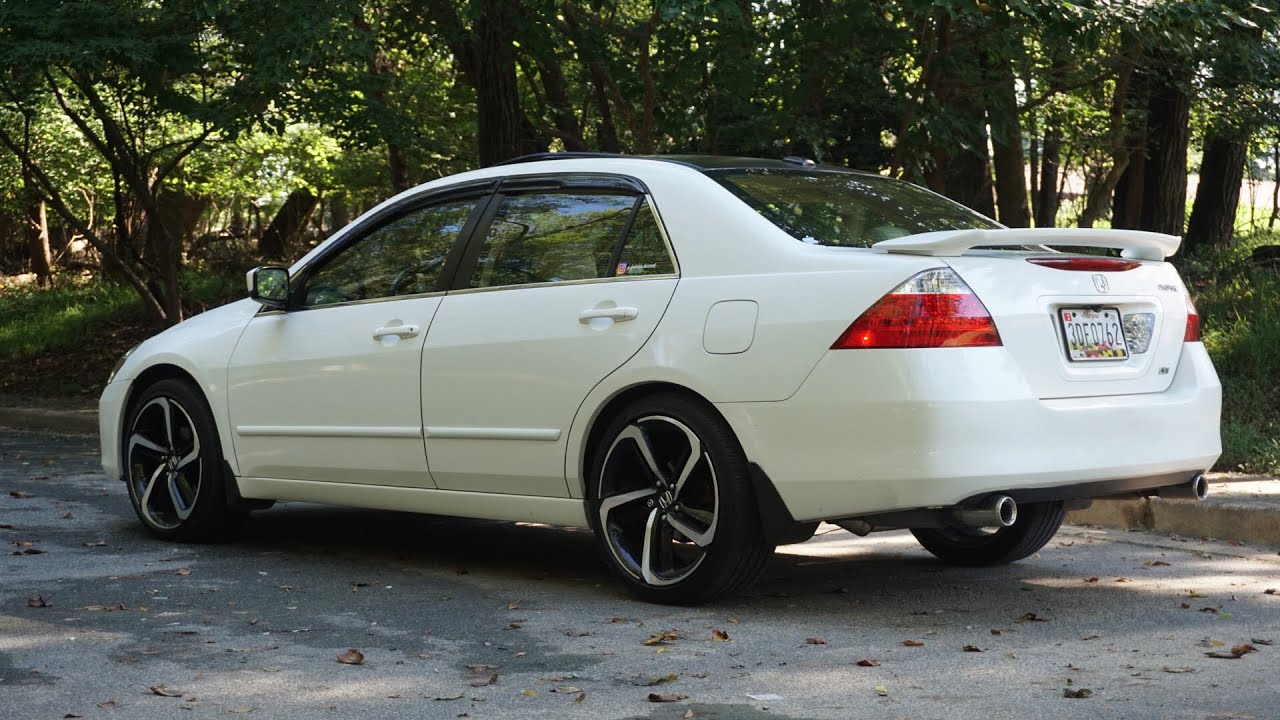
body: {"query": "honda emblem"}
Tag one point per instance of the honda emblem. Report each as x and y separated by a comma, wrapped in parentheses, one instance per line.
(1100, 282)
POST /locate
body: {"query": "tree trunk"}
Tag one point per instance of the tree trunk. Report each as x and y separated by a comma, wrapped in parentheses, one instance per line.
(1275, 183)
(1006, 143)
(1213, 215)
(1164, 192)
(1049, 200)
(499, 126)
(962, 169)
(397, 168)
(37, 232)
(287, 226)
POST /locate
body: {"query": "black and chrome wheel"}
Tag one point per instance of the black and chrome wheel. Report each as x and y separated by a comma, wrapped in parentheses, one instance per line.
(672, 504)
(173, 460)
(1036, 523)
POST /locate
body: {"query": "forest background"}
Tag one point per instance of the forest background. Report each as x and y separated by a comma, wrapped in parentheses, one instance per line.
(153, 150)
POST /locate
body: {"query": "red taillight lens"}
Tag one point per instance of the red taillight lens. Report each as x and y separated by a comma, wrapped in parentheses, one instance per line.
(1192, 333)
(1086, 264)
(932, 309)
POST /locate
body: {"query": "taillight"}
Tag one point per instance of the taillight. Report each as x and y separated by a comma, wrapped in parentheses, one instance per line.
(1192, 333)
(933, 309)
(1086, 264)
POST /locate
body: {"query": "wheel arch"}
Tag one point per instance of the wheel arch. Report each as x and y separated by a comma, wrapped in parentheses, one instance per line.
(169, 369)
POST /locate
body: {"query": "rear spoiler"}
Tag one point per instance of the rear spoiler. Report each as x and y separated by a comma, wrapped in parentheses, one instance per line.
(1133, 244)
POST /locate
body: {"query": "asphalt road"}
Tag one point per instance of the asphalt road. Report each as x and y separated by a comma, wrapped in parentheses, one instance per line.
(254, 628)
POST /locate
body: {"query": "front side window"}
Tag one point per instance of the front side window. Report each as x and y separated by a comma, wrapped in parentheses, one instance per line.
(846, 209)
(552, 237)
(402, 257)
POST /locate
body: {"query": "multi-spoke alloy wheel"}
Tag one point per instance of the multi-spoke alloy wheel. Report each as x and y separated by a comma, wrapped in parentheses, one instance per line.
(671, 502)
(172, 457)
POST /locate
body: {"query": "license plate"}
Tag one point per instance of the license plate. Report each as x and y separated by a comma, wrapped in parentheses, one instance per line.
(1093, 334)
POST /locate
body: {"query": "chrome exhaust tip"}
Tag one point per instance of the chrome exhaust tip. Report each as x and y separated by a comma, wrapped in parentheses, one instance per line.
(1195, 489)
(997, 511)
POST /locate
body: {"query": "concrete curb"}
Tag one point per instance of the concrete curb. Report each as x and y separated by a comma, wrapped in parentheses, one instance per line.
(1245, 511)
(82, 421)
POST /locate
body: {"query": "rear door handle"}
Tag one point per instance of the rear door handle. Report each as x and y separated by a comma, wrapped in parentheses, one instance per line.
(402, 331)
(616, 314)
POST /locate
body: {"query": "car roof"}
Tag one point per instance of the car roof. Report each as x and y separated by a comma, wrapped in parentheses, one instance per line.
(702, 163)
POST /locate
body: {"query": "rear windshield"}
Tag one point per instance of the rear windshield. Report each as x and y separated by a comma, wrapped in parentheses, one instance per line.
(846, 209)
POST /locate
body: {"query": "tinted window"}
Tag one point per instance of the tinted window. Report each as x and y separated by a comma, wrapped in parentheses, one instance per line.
(645, 253)
(846, 209)
(403, 257)
(552, 237)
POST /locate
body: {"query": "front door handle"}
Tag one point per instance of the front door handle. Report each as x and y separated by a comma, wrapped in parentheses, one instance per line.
(616, 314)
(402, 331)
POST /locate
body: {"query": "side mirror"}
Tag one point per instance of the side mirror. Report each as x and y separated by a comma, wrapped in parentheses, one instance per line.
(269, 285)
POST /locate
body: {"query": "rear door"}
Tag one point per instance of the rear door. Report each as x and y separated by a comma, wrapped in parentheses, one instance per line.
(1062, 320)
(566, 280)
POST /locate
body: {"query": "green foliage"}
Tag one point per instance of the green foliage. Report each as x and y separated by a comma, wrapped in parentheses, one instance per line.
(1239, 303)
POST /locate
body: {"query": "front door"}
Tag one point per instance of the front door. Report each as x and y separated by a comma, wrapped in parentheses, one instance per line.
(564, 287)
(330, 389)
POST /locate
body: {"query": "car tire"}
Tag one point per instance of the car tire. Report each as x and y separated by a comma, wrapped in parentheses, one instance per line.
(1035, 525)
(672, 504)
(174, 465)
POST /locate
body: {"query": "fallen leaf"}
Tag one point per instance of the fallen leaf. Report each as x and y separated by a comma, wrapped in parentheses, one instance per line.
(351, 657)
(764, 697)
(661, 638)
(1184, 669)
(1122, 579)
(688, 714)
(357, 585)
(514, 626)
(995, 631)
(1185, 606)
(1209, 609)
(484, 682)
(1156, 563)
(651, 680)
(1194, 594)
(1032, 617)
(617, 620)
(163, 691)
(583, 696)
(656, 698)
(815, 641)
(719, 635)
(529, 693)
(1259, 641)
(457, 696)
(882, 691)
(481, 667)
(1271, 591)
(567, 690)
(182, 571)
(37, 601)
(913, 643)
(28, 551)
(20, 494)
(1091, 580)
(72, 715)
(98, 543)
(868, 663)
(578, 633)
(1077, 693)
(240, 709)
(973, 648)
(1235, 653)
(732, 621)
(513, 605)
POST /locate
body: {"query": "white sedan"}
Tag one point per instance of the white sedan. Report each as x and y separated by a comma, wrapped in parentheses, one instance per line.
(700, 358)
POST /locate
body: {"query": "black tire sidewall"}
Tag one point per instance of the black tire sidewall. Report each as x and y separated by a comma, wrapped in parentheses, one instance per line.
(1037, 523)
(210, 518)
(737, 553)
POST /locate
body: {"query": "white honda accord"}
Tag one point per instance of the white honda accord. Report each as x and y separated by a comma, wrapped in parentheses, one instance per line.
(700, 358)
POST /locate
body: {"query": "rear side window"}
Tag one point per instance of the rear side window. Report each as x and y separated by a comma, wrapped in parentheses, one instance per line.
(846, 209)
(550, 237)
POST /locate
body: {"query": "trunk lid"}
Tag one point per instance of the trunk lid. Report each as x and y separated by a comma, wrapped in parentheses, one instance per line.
(1040, 310)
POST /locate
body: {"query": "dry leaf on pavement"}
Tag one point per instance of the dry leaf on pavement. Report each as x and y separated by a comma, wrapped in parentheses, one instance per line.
(720, 635)
(20, 494)
(913, 643)
(569, 690)
(163, 691)
(1235, 653)
(651, 680)
(1032, 617)
(815, 641)
(1077, 693)
(182, 571)
(656, 698)
(882, 691)
(581, 696)
(868, 663)
(1183, 669)
(973, 648)
(661, 638)
(481, 667)
(486, 681)
(37, 601)
(351, 657)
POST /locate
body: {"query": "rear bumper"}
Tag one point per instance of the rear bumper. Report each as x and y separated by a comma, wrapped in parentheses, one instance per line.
(874, 431)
